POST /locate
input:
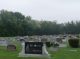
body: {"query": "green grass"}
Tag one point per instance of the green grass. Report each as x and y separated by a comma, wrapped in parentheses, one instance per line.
(62, 53)
(66, 53)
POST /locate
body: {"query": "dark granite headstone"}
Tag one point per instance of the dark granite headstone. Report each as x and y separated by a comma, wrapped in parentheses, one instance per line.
(33, 47)
(11, 47)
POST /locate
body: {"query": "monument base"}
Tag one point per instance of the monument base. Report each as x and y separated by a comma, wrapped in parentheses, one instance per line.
(33, 55)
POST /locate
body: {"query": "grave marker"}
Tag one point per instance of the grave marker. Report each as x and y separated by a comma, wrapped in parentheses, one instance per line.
(3, 42)
(33, 49)
(11, 47)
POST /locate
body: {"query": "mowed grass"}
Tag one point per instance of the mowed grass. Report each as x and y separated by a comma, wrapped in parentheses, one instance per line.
(66, 53)
(62, 53)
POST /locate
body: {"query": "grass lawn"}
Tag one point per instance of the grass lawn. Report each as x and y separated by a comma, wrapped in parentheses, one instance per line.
(62, 53)
(66, 53)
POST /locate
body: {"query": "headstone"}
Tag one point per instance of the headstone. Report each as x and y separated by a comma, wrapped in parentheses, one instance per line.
(62, 42)
(44, 39)
(19, 38)
(11, 47)
(54, 47)
(59, 40)
(3, 42)
(33, 49)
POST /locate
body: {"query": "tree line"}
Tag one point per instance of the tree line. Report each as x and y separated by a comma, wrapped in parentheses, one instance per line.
(16, 24)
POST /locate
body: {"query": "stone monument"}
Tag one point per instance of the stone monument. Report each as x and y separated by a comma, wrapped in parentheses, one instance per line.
(33, 49)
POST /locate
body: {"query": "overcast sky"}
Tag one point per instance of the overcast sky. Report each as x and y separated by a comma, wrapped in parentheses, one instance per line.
(51, 10)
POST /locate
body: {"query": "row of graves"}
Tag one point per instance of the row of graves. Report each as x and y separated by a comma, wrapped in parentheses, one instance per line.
(8, 43)
(32, 46)
(36, 46)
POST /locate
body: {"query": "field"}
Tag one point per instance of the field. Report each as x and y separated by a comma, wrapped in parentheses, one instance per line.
(62, 53)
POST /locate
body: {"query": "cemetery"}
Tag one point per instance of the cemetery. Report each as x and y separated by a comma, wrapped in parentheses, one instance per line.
(39, 29)
(24, 37)
(40, 47)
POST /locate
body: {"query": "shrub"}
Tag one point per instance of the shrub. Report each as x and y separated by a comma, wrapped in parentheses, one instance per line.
(48, 44)
(74, 43)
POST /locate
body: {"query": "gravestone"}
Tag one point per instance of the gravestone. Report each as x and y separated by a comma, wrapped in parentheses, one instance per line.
(44, 40)
(59, 40)
(20, 38)
(3, 42)
(11, 47)
(33, 49)
(54, 47)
